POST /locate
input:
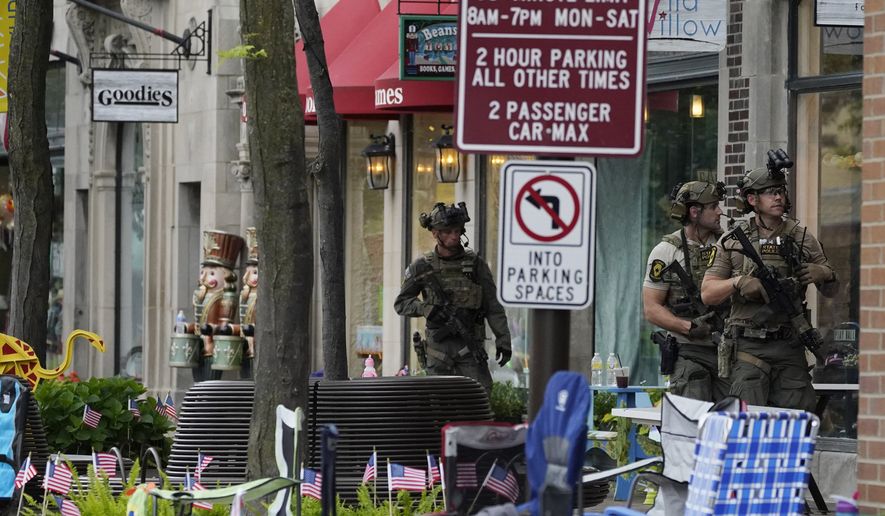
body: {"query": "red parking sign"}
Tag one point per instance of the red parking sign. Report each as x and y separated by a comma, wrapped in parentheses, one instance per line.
(562, 77)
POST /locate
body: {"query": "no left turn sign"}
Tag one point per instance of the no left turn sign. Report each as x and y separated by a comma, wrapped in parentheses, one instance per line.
(547, 228)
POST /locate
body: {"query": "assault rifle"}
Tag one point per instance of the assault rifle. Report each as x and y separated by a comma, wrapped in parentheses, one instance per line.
(446, 314)
(780, 300)
(692, 306)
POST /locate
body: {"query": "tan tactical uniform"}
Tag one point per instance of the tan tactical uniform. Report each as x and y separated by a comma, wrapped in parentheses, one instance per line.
(771, 368)
(468, 283)
(695, 374)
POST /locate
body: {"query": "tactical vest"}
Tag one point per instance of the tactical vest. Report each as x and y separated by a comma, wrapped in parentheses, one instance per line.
(769, 251)
(699, 255)
(458, 279)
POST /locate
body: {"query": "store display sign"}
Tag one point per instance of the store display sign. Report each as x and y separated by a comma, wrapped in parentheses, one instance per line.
(839, 12)
(693, 26)
(551, 77)
(428, 47)
(134, 95)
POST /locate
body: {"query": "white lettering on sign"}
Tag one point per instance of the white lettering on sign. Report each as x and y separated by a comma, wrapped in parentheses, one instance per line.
(309, 105)
(547, 234)
(388, 97)
(588, 56)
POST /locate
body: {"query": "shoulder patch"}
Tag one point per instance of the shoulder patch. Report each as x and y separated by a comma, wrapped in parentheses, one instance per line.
(712, 257)
(656, 271)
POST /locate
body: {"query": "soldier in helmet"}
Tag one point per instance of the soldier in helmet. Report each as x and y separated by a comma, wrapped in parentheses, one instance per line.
(672, 302)
(768, 364)
(454, 290)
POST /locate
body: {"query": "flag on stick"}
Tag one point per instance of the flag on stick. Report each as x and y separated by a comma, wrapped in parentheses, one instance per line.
(107, 462)
(503, 482)
(406, 478)
(371, 471)
(202, 462)
(433, 472)
(25, 473)
(191, 484)
(91, 417)
(67, 507)
(311, 483)
(169, 407)
(133, 407)
(57, 478)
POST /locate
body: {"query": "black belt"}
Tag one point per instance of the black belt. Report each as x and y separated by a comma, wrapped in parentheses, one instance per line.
(782, 333)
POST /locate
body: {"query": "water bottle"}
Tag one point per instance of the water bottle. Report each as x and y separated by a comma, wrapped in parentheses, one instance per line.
(612, 364)
(596, 368)
(180, 322)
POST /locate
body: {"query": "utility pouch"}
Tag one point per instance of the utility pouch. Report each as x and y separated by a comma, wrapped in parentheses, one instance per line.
(420, 346)
(725, 353)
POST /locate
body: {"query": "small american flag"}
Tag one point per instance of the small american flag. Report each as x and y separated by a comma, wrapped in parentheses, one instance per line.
(405, 478)
(26, 473)
(433, 470)
(133, 407)
(67, 507)
(202, 462)
(191, 484)
(371, 472)
(466, 474)
(107, 462)
(169, 407)
(91, 417)
(57, 478)
(311, 483)
(503, 482)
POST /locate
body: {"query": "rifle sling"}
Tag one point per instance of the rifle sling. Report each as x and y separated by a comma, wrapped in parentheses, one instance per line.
(690, 270)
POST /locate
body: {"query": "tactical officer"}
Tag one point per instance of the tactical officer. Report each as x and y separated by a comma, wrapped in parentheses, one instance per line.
(457, 294)
(673, 302)
(767, 359)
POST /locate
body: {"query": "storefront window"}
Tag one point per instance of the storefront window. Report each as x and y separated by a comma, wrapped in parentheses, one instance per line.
(365, 251)
(827, 50)
(633, 213)
(132, 219)
(517, 317)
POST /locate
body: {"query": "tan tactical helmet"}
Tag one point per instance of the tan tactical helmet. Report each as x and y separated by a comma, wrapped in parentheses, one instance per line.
(759, 179)
(442, 216)
(694, 192)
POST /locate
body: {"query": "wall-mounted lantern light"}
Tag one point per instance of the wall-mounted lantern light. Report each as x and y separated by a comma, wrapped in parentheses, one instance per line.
(697, 106)
(448, 163)
(379, 161)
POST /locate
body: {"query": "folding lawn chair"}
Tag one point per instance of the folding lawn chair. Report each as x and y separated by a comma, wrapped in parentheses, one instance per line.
(750, 463)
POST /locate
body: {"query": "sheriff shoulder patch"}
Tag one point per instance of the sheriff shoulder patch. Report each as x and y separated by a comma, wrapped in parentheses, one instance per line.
(656, 271)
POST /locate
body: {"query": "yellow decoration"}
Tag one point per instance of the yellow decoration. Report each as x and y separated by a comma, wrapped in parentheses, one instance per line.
(17, 357)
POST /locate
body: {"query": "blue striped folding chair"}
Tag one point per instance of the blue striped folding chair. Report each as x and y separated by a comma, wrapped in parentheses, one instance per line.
(752, 463)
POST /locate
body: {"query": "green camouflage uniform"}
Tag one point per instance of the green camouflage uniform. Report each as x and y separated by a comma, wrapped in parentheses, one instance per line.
(467, 281)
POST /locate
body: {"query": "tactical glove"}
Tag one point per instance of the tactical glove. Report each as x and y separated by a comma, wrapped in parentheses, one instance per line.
(503, 356)
(700, 326)
(751, 289)
(814, 273)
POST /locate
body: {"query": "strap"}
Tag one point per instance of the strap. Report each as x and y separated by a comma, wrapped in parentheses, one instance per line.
(750, 359)
(688, 265)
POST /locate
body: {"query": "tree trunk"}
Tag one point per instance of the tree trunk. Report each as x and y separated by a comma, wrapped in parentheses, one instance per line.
(325, 170)
(31, 173)
(276, 141)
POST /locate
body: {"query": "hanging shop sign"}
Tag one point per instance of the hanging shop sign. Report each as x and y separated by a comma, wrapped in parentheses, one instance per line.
(7, 23)
(551, 77)
(839, 12)
(548, 229)
(428, 46)
(134, 95)
(687, 25)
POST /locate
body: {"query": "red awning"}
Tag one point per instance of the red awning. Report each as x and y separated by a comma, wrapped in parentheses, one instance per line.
(343, 20)
(394, 95)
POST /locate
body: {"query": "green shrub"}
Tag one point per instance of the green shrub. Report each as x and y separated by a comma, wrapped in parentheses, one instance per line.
(61, 408)
(508, 402)
(430, 501)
